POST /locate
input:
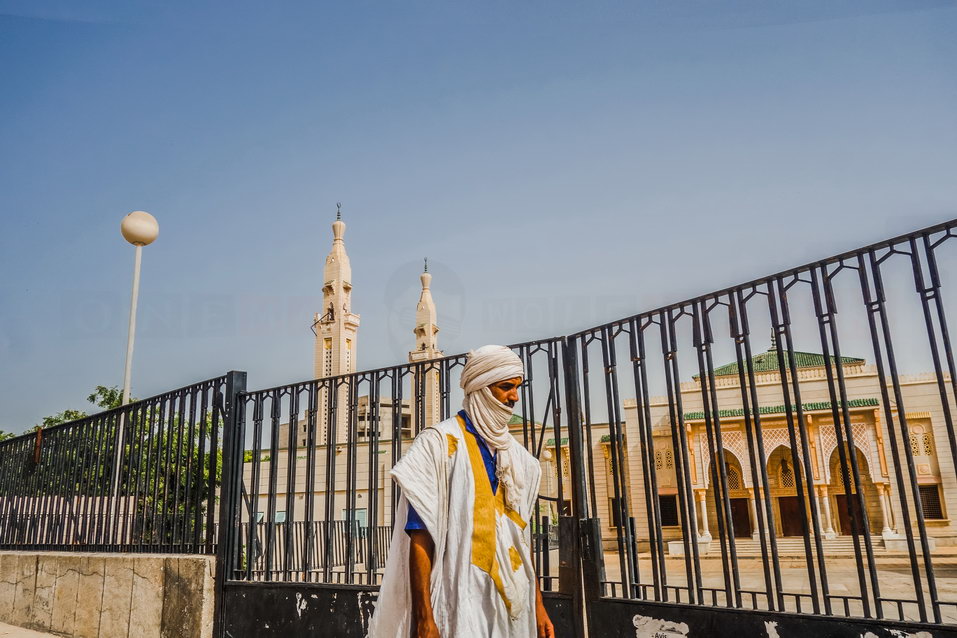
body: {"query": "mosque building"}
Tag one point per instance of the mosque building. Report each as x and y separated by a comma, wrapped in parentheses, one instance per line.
(881, 482)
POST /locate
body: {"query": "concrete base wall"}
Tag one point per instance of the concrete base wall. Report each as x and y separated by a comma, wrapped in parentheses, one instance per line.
(108, 595)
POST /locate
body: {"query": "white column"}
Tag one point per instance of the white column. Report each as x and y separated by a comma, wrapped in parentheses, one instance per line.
(752, 499)
(890, 509)
(885, 514)
(705, 535)
(826, 508)
(816, 494)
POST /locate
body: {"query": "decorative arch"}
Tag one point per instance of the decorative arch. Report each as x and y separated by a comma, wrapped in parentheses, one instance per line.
(843, 503)
(733, 465)
(862, 441)
(833, 467)
(781, 469)
(832, 462)
(733, 443)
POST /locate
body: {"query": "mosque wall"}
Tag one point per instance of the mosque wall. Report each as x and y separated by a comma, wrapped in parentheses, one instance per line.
(933, 465)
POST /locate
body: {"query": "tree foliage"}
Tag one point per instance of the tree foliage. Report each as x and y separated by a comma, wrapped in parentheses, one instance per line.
(168, 473)
(103, 397)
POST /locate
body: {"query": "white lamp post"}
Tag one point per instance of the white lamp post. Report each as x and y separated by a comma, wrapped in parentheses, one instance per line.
(140, 229)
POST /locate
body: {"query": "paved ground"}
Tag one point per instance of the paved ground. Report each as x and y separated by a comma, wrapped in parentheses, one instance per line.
(8, 631)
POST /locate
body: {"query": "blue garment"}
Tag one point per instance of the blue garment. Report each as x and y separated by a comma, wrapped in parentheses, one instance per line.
(414, 521)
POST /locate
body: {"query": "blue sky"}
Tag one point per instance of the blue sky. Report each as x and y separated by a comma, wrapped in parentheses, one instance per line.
(561, 164)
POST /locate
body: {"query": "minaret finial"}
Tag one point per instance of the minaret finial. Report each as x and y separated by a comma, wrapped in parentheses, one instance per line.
(338, 211)
(426, 264)
(774, 340)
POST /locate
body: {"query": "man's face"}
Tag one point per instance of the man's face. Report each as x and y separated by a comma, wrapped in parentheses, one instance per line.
(506, 391)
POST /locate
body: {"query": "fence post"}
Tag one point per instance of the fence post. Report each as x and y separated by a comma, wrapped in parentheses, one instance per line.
(574, 576)
(230, 513)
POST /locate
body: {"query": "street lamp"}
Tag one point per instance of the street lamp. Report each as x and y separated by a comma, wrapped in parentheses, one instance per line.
(140, 229)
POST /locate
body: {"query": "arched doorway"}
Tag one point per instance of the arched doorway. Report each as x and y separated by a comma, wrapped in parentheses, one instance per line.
(783, 484)
(847, 507)
(739, 495)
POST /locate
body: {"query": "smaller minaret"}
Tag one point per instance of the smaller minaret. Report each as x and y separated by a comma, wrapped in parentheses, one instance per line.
(426, 348)
(426, 330)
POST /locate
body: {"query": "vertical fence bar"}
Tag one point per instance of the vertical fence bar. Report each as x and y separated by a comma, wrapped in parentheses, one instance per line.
(704, 337)
(585, 554)
(679, 438)
(230, 510)
(310, 514)
(620, 512)
(797, 428)
(826, 310)
(764, 514)
(649, 471)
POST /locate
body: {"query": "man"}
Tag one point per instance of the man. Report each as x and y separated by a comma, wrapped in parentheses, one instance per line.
(460, 563)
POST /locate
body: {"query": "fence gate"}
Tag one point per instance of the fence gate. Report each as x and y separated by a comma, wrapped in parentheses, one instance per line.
(774, 459)
(309, 506)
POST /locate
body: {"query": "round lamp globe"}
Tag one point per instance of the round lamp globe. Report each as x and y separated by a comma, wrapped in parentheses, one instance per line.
(140, 228)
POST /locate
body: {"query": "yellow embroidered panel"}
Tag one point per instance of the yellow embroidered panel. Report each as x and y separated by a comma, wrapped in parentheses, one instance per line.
(515, 557)
(453, 444)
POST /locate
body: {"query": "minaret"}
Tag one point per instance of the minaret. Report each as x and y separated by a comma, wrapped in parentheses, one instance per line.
(426, 348)
(336, 326)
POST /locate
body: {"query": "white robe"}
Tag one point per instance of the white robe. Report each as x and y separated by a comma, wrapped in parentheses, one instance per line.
(482, 584)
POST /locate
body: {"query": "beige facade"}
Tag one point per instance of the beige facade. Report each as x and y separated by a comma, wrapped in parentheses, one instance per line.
(927, 443)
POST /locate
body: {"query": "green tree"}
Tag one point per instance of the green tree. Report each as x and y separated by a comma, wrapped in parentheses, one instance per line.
(58, 418)
(6, 435)
(107, 398)
(103, 397)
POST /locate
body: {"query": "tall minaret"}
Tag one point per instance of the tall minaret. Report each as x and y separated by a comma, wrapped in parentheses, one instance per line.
(426, 348)
(336, 326)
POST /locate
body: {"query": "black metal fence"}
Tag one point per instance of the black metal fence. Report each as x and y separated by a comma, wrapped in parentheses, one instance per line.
(317, 455)
(143, 478)
(783, 445)
(298, 539)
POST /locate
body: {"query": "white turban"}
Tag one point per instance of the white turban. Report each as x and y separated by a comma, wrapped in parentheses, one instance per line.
(487, 366)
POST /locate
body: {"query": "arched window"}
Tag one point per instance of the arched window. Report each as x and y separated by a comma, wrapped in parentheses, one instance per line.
(786, 474)
(734, 478)
(915, 444)
(921, 441)
(928, 444)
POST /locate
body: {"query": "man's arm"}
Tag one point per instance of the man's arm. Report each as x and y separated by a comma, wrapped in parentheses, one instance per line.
(543, 622)
(421, 553)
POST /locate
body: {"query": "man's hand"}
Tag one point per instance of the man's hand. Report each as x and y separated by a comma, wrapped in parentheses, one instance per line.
(545, 627)
(426, 629)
